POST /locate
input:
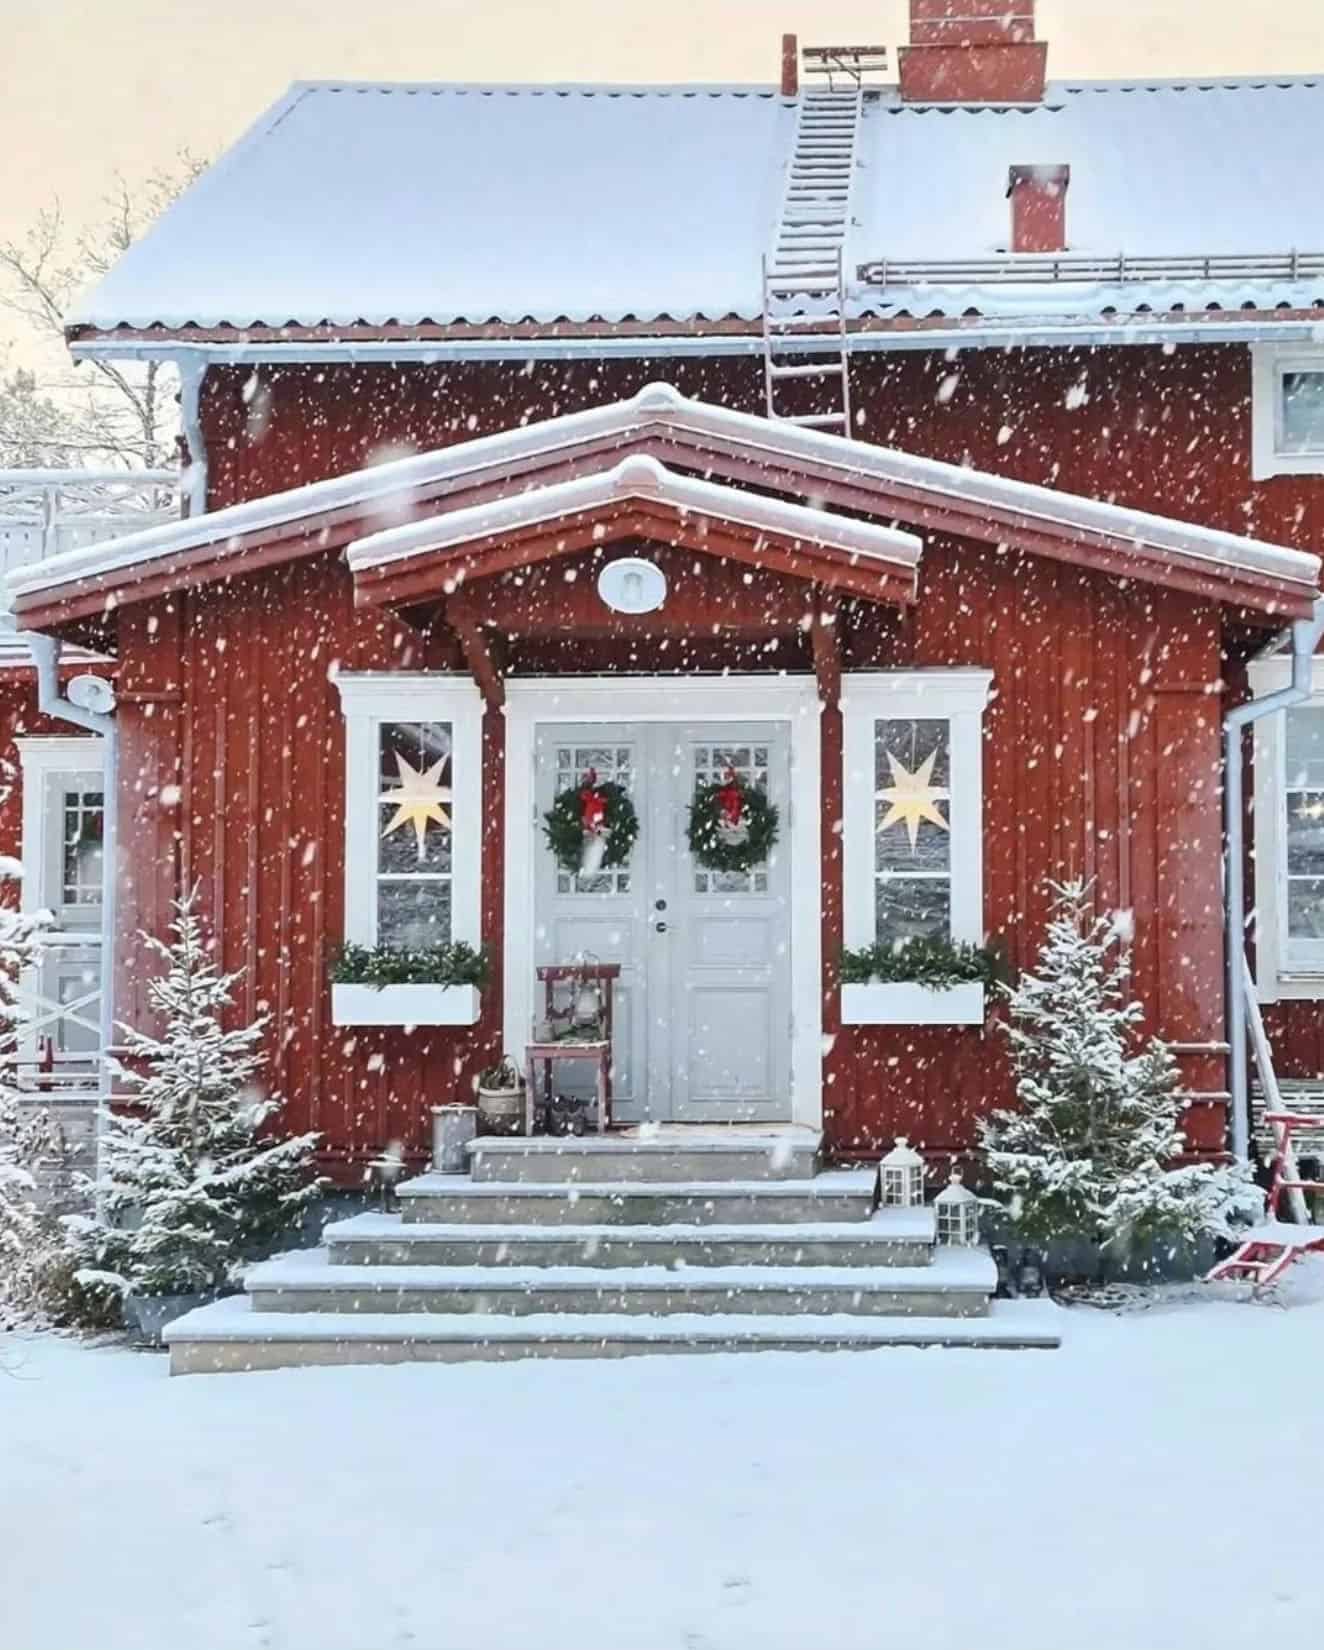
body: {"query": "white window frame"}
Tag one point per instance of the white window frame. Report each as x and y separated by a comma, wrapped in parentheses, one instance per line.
(369, 698)
(42, 761)
(1269, 364)
(1279, 975)
(957, 697)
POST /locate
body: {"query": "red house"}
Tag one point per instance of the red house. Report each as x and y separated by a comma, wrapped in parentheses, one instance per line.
(934, 460)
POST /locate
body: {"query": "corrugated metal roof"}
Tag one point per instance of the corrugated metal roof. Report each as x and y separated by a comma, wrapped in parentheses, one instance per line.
(464, 203)
(449, 204)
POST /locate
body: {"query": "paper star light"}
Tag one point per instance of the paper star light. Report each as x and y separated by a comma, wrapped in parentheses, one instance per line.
(912, 799)
(420, 800)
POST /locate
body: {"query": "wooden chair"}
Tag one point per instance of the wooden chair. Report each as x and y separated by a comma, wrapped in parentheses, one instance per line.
(549, 1051)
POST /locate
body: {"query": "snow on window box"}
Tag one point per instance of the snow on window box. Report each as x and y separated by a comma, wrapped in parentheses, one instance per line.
(907, 1003)
(404, 1005)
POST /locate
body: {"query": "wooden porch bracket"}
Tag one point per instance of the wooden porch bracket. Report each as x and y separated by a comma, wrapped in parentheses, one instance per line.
(827, 645)
(479, 655)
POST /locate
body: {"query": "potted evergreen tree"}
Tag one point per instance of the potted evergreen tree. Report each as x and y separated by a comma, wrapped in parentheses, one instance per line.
(192, 1183)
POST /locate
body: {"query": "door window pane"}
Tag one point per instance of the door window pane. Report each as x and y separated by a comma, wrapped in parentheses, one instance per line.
(712, 763)
(610, 764)
(83, 818)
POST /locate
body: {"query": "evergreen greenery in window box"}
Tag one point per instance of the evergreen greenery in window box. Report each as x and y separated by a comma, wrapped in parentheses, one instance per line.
(919, 982)
(381, 985)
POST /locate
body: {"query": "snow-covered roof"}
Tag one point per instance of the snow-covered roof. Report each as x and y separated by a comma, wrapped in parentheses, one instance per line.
(446, 204)
(406, 203)
(1183, 169)
(393, 493)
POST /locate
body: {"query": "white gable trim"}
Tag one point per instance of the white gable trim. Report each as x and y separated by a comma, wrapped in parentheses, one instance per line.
(638, 477)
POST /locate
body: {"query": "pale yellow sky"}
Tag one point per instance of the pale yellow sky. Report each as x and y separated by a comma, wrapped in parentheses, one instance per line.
(91, 86)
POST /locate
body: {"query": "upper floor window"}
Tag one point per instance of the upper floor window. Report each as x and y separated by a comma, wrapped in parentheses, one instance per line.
(1287, 410)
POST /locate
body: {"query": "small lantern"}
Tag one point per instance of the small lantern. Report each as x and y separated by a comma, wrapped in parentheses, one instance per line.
(901, 1177)
(957, 1209)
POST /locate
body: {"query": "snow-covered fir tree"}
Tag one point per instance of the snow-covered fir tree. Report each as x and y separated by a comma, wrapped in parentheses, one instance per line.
(26, 1236)
(190, 1184)
(1088, 1153)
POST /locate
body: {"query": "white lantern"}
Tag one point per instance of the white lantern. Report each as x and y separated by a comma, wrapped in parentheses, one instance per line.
(957, 1209)
(901, 1177)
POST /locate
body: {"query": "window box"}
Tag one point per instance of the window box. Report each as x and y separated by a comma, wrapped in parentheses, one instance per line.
(404, 1005)
(906, 1003)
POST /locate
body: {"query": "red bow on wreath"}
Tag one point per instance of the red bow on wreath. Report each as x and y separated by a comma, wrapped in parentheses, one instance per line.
(592, 805)
(731, 800)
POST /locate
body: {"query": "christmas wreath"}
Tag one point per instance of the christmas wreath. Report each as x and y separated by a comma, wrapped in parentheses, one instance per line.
(733, 826)
(591, 826)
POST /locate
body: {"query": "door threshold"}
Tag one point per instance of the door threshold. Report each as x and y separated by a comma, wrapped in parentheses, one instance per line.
(715, 1131)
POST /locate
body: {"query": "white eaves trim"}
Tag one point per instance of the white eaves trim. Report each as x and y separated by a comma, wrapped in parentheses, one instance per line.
(637, 477)
(390, 489)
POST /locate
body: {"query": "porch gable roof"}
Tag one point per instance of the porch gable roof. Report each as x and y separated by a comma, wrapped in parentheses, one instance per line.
(839, 474)
(638, 496)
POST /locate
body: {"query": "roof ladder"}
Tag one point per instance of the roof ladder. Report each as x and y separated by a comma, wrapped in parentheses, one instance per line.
(805, 364)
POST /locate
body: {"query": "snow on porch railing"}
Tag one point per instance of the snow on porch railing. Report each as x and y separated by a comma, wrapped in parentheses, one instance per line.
(43, 512)
(1119, 270)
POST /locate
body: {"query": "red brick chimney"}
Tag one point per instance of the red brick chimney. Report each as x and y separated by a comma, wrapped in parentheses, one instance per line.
(1038, 196)
(973, 51)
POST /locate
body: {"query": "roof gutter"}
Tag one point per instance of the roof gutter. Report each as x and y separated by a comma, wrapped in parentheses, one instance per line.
(1009, 335)
(1304, 635)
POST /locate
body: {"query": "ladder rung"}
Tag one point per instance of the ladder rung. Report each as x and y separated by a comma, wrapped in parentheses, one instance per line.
(814, 370)
(815, 420)
(805, 325)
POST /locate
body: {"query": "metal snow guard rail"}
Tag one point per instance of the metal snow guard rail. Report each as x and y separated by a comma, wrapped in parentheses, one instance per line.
(854, 62)
(1037, 268)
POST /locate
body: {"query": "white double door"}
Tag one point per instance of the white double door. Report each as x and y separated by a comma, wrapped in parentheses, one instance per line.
(703, 1003)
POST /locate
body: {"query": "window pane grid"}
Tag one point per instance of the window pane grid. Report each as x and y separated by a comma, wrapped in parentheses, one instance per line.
(415, 830)
(83, 828)
(612, 764)
(749, 763)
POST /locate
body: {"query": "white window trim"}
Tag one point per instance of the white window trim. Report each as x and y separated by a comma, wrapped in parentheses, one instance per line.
(1269, 362)
(531, 701)
(368, 699)
(954, 696)
(1276, 977)
(41, 759)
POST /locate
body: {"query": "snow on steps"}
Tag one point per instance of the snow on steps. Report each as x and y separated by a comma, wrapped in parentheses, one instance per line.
(229, 1335)
(956, 1283)
(837, 1195)
(890, 1237)
(595, 1159)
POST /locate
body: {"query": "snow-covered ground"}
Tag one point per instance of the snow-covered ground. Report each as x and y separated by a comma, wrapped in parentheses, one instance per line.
(1155, 1485)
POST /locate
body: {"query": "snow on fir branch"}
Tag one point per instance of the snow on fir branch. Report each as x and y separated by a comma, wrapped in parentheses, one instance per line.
(194, 1180)
(1090, 1150)
(936, 963)
(456, 963)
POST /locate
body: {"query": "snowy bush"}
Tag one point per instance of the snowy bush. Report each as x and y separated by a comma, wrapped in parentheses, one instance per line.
(191, 1183)
(1088, 1153)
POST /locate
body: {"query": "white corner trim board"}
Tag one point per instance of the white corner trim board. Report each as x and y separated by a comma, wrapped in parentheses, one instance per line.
(531, 701)
(368, 700)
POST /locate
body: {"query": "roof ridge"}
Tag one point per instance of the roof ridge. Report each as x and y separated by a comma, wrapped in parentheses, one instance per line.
(547, 88)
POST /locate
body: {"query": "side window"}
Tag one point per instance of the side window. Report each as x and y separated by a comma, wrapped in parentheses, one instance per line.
(1301, 820)
(73, 848)
(1287, 411)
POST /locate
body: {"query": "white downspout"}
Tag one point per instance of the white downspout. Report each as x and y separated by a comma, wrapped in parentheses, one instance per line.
(1305, 635)
(94, 691)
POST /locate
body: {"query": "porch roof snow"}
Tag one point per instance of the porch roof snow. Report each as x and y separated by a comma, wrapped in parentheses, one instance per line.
(637, 477)
(393, 492)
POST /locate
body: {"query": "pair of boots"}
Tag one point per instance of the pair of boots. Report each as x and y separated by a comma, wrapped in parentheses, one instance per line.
(1022, 1278)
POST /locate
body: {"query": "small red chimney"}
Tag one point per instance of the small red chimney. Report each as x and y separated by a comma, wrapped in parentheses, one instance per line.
(790, 66)
(973, 51)
(1038, 196)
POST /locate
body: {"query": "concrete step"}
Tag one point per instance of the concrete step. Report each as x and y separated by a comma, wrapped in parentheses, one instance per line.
(229, 1335)
(892, 1237)
(626, 1159)
(957, 1284)
(838, 1195)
